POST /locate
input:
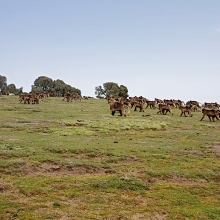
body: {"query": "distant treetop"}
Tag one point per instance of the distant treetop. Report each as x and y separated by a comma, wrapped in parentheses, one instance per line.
(111, 88)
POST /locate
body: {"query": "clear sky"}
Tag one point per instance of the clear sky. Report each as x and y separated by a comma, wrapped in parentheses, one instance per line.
(157, 48)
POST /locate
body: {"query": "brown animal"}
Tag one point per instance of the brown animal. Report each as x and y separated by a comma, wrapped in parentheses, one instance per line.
(169, 102)
(53, 94)
(211, 113)
(195, 108)
(70, 96)
(211, 105)
(177, 102)
(128, 103)
(152, 104)
(158, 101)
(26, 98)
(67, 96)
(76, 96)
(138, 99)
(34, 100)
(186, 109)
(163, 108)
(139, 105)
(193, 103)
(118, 106)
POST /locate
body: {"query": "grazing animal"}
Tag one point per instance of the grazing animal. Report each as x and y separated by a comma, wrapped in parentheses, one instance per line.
(195, 108)
(178, 102)
(169, 102)
(163, 108)
(35, 100)
(139, 105)
(67, 96)
(193, 103)
(211, 113)
(211, 105)
(152, 104)
(158, 101)
(186, 109)
(26, 98)
(118, 106)
(70, 96)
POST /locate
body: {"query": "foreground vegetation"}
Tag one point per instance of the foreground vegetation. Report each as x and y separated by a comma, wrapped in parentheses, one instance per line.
(61, 160)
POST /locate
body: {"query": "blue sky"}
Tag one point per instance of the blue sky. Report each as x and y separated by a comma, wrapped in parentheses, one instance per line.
(158, 49)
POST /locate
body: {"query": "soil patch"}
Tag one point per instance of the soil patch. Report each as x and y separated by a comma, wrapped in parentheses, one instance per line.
(177, 180)
(217, 150)
(49, 169)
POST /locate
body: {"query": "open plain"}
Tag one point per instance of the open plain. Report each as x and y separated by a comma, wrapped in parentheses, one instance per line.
(74, 160)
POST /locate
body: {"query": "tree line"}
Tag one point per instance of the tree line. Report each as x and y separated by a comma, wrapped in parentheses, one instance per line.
(41, 84)
(46, 84)
(6, 89)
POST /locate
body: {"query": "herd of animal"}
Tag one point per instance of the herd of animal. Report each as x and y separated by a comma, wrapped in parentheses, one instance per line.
(123, 106)
(34, 97)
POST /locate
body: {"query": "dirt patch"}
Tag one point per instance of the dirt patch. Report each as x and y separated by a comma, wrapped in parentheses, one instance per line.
(196, 152)
(4, 186)
(159, 216)
(177, 180)
(217, 150)
(48, 169)
(144, 216)
(6, 137)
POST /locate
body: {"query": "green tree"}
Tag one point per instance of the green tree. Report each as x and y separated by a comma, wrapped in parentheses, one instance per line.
(3, 84)
(18, 91)
(36, 89)
(123, 91)
(73, 89)
(111, 88)
(78, 91)
(59, 86)
(99, 92)
(43, 83)
(11, 88)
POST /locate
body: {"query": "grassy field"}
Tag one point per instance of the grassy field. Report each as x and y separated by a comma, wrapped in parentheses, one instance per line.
(61, 160)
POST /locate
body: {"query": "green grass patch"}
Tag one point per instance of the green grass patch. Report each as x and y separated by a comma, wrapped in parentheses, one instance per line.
(75, 160)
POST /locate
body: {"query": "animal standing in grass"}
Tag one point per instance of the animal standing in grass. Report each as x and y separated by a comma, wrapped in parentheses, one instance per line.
(118, 106)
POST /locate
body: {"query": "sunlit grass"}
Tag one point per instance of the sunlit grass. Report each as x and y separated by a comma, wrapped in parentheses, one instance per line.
(75, 160)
